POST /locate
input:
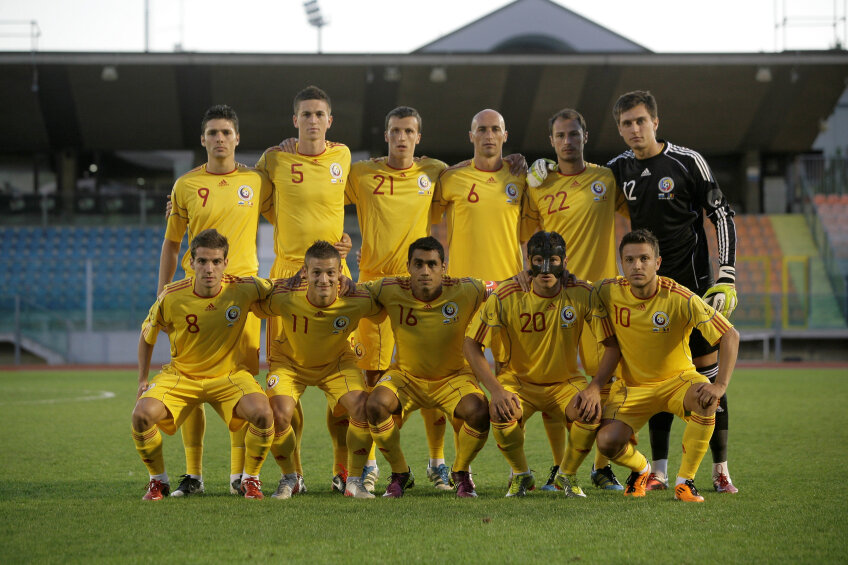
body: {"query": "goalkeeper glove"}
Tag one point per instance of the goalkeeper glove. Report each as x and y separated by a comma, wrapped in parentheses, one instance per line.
(538, 171)
(722, 295)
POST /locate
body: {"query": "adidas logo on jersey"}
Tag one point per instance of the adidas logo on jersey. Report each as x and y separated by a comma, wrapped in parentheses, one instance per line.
(551, 306)
(210, 308)
(646, 173)
(575, 183)
(223, 182)
(491, 179)
(319, 314)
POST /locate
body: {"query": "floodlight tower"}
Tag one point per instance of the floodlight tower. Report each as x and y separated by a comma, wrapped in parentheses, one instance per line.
(315, 17)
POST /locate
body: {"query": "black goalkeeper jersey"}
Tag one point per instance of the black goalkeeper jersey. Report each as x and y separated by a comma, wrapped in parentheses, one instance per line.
(668, 194)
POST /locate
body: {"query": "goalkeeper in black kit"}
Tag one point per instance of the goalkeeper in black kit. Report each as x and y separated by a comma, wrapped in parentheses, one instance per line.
(668, 189)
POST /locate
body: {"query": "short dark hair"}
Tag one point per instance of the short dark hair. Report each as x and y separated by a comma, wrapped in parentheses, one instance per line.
(404, 112)
(322, 250)
(428, 243)
(567, 114)
(219, 112)
(632, 99)
(210, 239)
(640, 236)
(312, 92)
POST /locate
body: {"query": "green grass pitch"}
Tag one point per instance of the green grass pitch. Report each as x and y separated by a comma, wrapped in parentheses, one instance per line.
(73, 484)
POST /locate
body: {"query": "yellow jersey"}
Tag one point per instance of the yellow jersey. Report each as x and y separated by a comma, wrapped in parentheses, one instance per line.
(483, 213)
(205, 333)
(393, 208)
(308, 201)
(429, 335)
(540, 335)
(653, 333)
(312, 336)
(581, 208)
(230, 203)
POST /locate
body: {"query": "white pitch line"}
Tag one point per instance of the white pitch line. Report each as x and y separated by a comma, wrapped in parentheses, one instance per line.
(98, 395)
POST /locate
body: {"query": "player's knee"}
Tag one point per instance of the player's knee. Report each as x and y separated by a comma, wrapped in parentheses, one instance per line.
(609, 442)
(475, 412)
(263, 417)
(143, 416)
(376, 408)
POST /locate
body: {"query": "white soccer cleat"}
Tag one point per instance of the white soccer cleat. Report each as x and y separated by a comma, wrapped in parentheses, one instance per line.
(287, 486)
(354, 488)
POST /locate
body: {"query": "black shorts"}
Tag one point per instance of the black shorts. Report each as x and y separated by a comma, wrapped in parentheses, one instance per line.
(700, 346)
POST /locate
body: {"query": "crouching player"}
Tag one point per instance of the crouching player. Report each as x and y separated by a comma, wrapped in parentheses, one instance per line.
(653, 317)
(313, 349)
(429, 313)
(540, 331)
(204, 317)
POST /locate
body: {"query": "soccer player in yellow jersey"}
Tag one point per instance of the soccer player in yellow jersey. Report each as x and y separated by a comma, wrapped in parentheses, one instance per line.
(228, 197)
(578, 200)
(539, 331)
(429, 313)
(482, 197)
(314, 350)
(308, 202)
(393, 195)
(204, 316)
(653, 317)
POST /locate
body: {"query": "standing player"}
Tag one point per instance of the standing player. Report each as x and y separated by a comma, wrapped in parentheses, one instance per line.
(482, 198)
(204, 316)
(429, 313)
(393, 195)
(540, 331)
(309, 206)
(314, 350)
(578, 200)
(229, 197)
(668, 188)
(653, 317)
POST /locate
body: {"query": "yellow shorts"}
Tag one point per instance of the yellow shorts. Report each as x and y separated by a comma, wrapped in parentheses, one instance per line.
(373, 343)
(634, 405)
(335, 379)
(180, 394)
(415, 392)
(552, 399)
(249, 344)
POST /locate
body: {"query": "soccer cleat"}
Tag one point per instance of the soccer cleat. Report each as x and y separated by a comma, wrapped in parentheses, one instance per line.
(397, 485)
(440, 477)
(551, 485)
(156, 490)
(300, 488)
(605, 479)
(338, 482)
(370, 475)
(251, 487)
(355, 489)
(286, 488)
(464, 484)
(189, 485)
(568, 485)
(636, 484)
(521, 484)
(657, 481)
(686, 492)
(722, 484)
(235, 486)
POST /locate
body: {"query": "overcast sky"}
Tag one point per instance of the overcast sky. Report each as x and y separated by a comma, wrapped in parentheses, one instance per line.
(400, 26)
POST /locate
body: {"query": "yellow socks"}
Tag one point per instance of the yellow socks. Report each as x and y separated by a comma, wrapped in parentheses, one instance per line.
(696, 441)
(555, 430)
(149, 446)
(469, 442)
(434, 427)
(387, 437)
(283, 447)
(631, 458)
(580, 441)
(358, 445)
(192, 430)
(338, 428)
(257, 442)
(237, 450)
(510, 439)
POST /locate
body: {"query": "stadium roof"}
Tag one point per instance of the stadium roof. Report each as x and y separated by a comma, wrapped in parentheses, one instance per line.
(718, 103)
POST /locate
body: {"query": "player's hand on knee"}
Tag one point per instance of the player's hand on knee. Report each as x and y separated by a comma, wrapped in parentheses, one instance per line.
(538, 171)
(722, 295)
(142, 388)
(709, 394)
(504, 406)
(517, 164)
(588, 405)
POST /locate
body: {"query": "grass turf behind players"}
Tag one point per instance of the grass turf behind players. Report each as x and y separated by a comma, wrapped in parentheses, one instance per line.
(74, 484)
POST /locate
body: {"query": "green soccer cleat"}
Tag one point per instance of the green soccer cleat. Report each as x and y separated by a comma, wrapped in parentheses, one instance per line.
(605, 479)
(551, 485)
(521, 484)
(569, 486)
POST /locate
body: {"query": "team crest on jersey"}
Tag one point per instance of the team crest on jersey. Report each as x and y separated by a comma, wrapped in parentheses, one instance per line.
(568, 317)
(272, 381)
(599, 191)
(335, 172)
(660, 321)
(232, 314)
(358, 350)
(511, 193)
(666, 185)
(450, 312)
(423, 185)
(340, 324)
(245, 193)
